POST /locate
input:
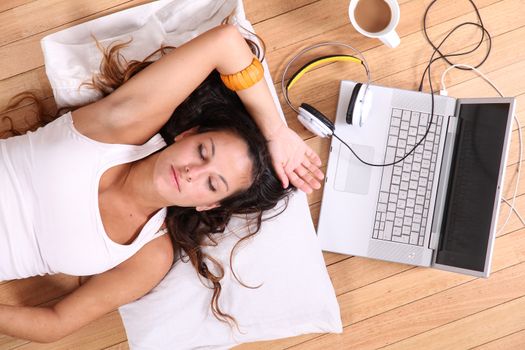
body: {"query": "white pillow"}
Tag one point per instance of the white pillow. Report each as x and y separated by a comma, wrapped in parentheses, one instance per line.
(296, 296)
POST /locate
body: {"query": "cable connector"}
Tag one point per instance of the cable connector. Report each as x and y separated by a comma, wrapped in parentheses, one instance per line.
(443, 92)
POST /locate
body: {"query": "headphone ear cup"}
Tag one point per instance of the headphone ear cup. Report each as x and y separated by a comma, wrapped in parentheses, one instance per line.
(366, 106)
(351, 117)
(315, 121)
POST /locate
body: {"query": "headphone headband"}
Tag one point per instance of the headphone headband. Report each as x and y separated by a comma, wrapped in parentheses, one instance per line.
(317, 62)
(314, 63)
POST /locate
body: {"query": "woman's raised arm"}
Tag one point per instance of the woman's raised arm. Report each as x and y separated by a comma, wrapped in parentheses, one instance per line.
(140, 107)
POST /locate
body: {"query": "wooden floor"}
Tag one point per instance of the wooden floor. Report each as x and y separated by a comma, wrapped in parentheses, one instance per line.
(383, 305)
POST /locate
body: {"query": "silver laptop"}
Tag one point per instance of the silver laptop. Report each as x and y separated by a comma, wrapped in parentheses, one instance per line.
(438, 207)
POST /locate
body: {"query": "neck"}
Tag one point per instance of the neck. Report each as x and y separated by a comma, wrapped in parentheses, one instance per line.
(137, 186)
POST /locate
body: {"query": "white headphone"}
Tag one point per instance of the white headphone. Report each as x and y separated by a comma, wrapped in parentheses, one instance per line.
(360, 101)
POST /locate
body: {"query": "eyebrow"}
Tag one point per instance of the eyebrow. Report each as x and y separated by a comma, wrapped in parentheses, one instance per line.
(213, 154)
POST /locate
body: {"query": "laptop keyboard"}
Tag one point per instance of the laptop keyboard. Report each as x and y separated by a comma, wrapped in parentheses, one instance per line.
(404, 196)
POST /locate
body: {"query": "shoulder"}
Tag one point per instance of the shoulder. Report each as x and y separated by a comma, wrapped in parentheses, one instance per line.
(159, 249)
(154, 258)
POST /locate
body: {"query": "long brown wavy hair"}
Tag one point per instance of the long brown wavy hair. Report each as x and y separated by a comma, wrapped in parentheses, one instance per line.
(211, 107)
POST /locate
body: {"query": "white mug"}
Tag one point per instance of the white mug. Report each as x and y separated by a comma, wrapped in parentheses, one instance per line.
(388, 35)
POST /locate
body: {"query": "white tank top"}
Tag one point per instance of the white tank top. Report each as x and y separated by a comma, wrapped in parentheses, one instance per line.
(49, 215)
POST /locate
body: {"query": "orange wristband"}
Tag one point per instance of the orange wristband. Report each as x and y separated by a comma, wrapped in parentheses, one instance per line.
(246, 78)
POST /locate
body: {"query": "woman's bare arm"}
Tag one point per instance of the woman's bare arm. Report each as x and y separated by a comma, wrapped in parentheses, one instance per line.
(98, 296)
(142, 105)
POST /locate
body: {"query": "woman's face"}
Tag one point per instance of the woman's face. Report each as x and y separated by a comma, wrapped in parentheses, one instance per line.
(199, 170)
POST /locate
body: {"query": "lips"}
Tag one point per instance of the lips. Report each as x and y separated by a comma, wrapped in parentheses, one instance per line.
(175, 177)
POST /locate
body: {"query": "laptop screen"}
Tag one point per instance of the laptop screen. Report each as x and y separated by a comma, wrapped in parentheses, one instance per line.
(473, 184)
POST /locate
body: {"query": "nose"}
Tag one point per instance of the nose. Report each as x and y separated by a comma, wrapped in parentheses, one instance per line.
(194, 172)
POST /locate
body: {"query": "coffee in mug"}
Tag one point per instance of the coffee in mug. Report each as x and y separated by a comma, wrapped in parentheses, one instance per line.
(376, 19)
(373, 15)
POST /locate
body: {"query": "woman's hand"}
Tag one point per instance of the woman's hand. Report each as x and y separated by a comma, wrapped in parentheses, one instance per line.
(294, 161)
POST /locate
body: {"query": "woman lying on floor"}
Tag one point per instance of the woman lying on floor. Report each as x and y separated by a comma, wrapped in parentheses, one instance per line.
(94, 191)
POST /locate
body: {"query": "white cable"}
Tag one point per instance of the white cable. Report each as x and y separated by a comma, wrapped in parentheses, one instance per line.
(517, 179)
(515, 118)
(515, 211)
(443, 88)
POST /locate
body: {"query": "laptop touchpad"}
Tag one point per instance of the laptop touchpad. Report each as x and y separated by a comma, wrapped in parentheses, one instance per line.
(351, 175)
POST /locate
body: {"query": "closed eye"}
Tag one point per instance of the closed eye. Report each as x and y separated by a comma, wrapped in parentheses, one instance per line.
(202, 151)
(202, 154)
(212, 188)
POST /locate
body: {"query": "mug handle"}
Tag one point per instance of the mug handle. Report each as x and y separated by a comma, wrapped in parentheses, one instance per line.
(390, 39)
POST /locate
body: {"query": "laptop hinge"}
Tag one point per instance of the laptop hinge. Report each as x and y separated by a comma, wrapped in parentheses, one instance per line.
(442, 190)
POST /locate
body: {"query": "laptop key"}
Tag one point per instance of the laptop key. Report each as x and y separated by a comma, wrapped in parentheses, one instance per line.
(414, 121)
(385, 180)
(396, 231)
(395, 122)
(390, 154)
(396, 112)
(392, 141)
